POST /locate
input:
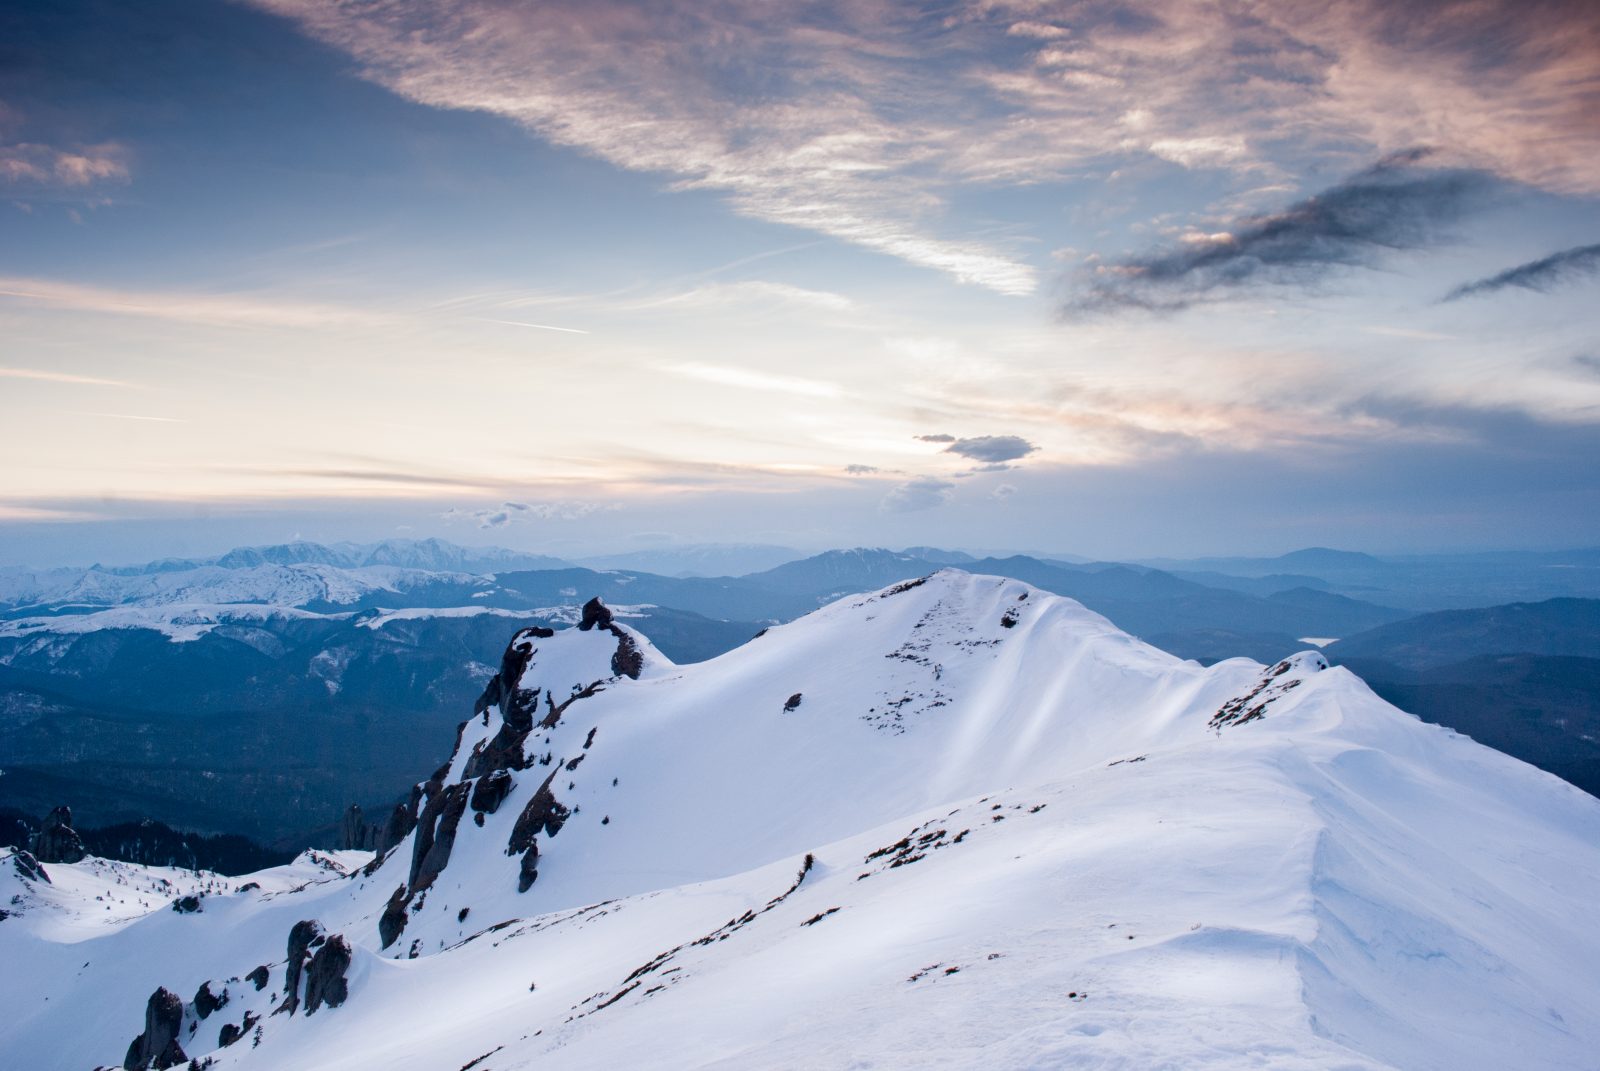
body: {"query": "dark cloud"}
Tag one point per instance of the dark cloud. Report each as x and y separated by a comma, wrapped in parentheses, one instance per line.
(922, 493)
(1394, 205)
(1539, 275)
(1588, 362)
(936, 438)
(992, 449)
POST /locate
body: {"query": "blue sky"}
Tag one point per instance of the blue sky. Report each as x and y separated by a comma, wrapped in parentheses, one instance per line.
(739, 271)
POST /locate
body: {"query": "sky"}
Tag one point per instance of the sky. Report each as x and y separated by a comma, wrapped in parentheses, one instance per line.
(1118, 279)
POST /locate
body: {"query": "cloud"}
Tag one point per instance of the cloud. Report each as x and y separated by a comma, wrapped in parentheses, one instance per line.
(922, 493)
(1588, 362)
(1393, 205)
(936, 438)
(1538, 275)
(861, 470)
(1003, 491)
(992, 448)
(865, 121)
(502, 515)
(79, 168)
(242, 310)
(60, 377)
(752, 380)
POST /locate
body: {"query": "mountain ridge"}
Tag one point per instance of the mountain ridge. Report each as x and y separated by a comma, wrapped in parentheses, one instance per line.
(955, 820)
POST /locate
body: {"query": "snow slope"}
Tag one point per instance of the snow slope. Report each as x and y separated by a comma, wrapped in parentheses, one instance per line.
(955, 823)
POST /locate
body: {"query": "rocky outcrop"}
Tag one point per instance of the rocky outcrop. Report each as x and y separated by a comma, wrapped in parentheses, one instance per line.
(303, 937)
(206, 1002)
(158, 1046)
(354, 833)
(325, 974)
(393, 920)
(259, 977)
(596, 614)
(28, 868)
(230, 1033)
(491, 791)
(627, 660)
(436, 835)
(395, 830)
(503, 751)
(516, 704)
(543, 813)
(58, 842)
(528, 869)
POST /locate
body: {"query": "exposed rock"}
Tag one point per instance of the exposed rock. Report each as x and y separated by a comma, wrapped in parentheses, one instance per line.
(28, 867)
(158, 1046)
(543, 812)
(187, 905)
(325, 974)
(627, 660)
(259, 977)
(595, 613)
(793, 702)
(395, 830)
(353, 831)
(436, 835)
(393, 919)
(528, 871)
(491, 791)
(58, 842)
(230, 1033)
(206, 1002)
(503, 751)
(303, 936)
(517, 705)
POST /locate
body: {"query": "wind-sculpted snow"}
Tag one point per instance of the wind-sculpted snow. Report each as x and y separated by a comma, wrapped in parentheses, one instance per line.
(955, 823)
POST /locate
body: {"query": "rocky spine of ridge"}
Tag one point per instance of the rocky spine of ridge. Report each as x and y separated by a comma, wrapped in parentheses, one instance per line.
(489, 771)
(58, 842)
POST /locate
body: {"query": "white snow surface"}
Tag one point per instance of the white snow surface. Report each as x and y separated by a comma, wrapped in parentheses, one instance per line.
(1035, 842)
(277, 585)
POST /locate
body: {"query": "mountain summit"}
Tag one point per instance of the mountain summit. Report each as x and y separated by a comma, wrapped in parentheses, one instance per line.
(957, 822)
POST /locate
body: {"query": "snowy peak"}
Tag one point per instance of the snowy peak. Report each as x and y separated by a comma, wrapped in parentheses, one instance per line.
(954, 822)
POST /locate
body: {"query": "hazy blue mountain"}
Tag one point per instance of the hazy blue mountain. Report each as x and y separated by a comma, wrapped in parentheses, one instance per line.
(699, 559)
(1553, 627)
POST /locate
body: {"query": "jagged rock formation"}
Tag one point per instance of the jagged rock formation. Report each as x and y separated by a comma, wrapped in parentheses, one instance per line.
(325, 974)
(28, 867)
(303, 936)
(158, 1047)
(436, 835)
(354, 833)
(58, 842)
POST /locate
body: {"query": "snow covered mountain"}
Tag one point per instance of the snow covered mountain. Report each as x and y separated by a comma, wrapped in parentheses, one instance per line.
(954, 823)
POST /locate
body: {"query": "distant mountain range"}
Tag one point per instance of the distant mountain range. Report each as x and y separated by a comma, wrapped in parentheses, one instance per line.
(112, 681)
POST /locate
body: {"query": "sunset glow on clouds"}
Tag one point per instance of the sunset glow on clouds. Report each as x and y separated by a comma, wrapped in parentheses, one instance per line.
(682, 262)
